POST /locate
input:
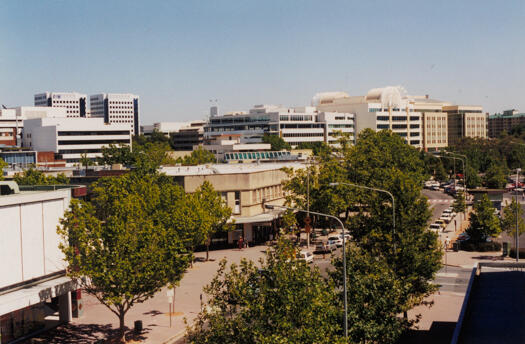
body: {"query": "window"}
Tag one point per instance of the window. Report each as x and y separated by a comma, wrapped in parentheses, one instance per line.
(237, 209)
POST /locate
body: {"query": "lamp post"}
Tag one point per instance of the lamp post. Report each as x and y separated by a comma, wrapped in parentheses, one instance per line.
(518, 170)
(268, 206)
(465, 163)
(464, 172)
(378, 190)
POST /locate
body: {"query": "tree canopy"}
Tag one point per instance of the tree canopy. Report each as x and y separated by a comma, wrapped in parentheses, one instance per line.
(277, 143)
(197, 157)
(508, 223)
(484, 222)
(3, 165)
(32, 176)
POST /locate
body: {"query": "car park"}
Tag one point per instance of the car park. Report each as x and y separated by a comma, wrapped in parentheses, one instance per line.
(305, 256)
(336, 240)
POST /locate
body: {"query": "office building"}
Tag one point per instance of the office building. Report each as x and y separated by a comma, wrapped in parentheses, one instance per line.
(69, 138)
(504, 122)
(184, 136)
(435, 122)
(116, 108)
(73, 102)
(381, 108)
(33, 281)
(465, 121)
(245, 188)
(294, 125)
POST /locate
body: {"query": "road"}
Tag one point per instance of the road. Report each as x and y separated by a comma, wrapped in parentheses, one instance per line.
(439, 201)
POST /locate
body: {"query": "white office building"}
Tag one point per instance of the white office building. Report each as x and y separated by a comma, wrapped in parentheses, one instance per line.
(295, 125)
(73, 102)
(116, 108)
(382, 108)
(33, 282)
(72, 137)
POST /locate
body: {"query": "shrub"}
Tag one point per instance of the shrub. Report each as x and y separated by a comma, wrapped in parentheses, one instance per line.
(512, 253)
(480, 246)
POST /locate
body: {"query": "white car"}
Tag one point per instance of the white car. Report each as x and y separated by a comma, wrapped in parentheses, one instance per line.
(336, 240)
(446, 217)
(449, 211)
(435, 227)
(305, 256)
(347, 237)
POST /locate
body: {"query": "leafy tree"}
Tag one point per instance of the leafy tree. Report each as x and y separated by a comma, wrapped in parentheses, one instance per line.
(316, 147)
(3, 165)
(495, 177)
(33, 176)
(459, 204)
(283, 301)
(150, 156)
(483, 222)
(508, 224)
(434, 166)
(155, 137)
(375, 297)
(85, 161)
(197, 157)
(114, 154)
(473, 179)
(276, 142)
(119, 247)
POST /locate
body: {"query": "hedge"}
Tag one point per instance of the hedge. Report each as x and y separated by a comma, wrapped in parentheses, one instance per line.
(480, 246)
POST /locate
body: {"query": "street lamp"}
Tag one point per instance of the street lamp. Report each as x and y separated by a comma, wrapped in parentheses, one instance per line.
(271, 207)
(518, 170)
(464, 171)
(378, 190)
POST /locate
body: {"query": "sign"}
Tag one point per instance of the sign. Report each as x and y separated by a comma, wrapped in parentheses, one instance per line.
(307, 228)
(170, 293)
(307, 220)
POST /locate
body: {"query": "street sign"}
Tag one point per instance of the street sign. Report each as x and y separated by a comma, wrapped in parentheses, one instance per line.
(307, 228)
(307, 220)
(170, 293)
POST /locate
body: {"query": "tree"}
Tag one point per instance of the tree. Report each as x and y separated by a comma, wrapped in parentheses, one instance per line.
(155, 137)
(114, 154)
(197, 157)
(214, 214)
(375, 297)
(283, 301)
(150, 156)
(459, 204)
(495, 177)
(316, 147)
(3, 165)
(276, 142)
(33, 176)
(508, 224)
(85, 161)
(119, 247)
(483, 221)
(473, 179)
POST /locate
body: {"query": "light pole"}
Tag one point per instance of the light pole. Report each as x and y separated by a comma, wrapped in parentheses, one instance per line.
(518, 170)
(378, 190)
(464, 173)
(465, 163)
(269, 206)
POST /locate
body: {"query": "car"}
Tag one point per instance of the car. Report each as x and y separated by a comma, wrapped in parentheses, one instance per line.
(449, 211)
(446, 217)
(305, 256)
(336, 240)
(441, 223)
(347, 236)
(435, 227)
(463, 237)
(325, 247)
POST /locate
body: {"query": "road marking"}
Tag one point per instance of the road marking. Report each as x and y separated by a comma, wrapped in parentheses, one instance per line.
(447, 274)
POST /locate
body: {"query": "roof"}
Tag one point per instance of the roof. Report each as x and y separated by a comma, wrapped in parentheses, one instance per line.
(501, 115)
(213, 169)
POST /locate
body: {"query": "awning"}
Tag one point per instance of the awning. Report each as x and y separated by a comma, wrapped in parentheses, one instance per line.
(264, 217)
(35, 294)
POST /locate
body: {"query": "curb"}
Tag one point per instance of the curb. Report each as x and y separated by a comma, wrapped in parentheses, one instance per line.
(173, 339)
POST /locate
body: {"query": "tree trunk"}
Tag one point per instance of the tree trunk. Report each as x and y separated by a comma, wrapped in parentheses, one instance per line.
(122, 327)
(207, 251)
(405, 314)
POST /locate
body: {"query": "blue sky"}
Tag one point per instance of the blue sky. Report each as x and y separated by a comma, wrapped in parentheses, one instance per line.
(179, 54)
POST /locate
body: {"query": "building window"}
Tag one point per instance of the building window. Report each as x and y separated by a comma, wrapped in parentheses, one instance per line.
(237, 209)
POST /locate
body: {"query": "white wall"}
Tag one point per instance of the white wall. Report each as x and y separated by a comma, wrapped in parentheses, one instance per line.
(29, 242)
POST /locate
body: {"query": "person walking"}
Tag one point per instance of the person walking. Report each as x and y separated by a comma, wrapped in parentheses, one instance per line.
(241, 243)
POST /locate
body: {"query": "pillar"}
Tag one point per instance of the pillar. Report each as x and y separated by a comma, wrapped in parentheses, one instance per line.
(64, 307)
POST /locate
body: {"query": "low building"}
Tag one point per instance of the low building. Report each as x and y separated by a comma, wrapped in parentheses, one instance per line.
(33, 282)
(465, 121)
(221, 145)
(245, 188)
(72, 137)
(25, 158)
(184, 136)
(500, 122)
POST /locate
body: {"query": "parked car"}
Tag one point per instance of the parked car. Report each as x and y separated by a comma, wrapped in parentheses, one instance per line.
(435, 227)
(336, 240)
(305, 256)
(449, 211)
(463, 237)
(325, 247)
(347, 237)
(446, 217)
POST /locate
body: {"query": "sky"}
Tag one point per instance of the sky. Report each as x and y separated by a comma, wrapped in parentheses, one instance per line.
(178, 55)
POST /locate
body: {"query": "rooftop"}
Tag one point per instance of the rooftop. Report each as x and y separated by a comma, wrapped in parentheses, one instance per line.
(210, 169)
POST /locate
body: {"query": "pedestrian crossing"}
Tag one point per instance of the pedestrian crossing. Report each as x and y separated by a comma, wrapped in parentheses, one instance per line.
(441, 201)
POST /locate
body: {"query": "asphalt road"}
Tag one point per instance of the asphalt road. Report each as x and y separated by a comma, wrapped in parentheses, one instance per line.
(439, 201)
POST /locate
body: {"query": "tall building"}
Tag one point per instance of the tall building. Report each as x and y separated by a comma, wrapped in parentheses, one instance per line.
(116, 108)
(465, 121)
(435, 122)
(73, 102)
(294, 125)
(382, 108)
(505, 121)
(69, 138)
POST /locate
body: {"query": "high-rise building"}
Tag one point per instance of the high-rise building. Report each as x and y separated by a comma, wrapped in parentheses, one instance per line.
(505, 121)
(117, 108)
(465, 121)
(73, 102)
(382, 108)
(435, 122)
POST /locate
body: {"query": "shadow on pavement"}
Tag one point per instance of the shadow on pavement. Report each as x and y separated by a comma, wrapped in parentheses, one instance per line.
(84, 334)
(440, 332)
(493, 258)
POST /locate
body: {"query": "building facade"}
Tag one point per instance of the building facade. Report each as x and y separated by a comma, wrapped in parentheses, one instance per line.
(69, 138)
(184, 136)
(381, 108)
(33, 282)
(500, 122)
(435, 122)
(74, 103)
(465, 121)
(116, 108)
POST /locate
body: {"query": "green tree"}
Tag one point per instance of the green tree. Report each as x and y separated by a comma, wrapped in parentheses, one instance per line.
(198, 157)
(85, 161)
(33, 176)
(118, 247)
(276, 142)
(508, 224)
(114, 154)
(283, 301)
(459, 204)
(483, 221)
(316, 147)
(155, 137)
(495, 177)
(3, 165)
(375, 298)
(473, 179)
(150, 156)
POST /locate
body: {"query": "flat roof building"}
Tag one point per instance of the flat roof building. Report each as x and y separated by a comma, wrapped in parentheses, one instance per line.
(465, 121)
(73, 102)
(116, 108)
(500, 122)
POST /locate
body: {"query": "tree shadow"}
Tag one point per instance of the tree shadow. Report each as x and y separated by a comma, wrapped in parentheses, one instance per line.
(85, 334)
(153, 313)
(492, 258)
